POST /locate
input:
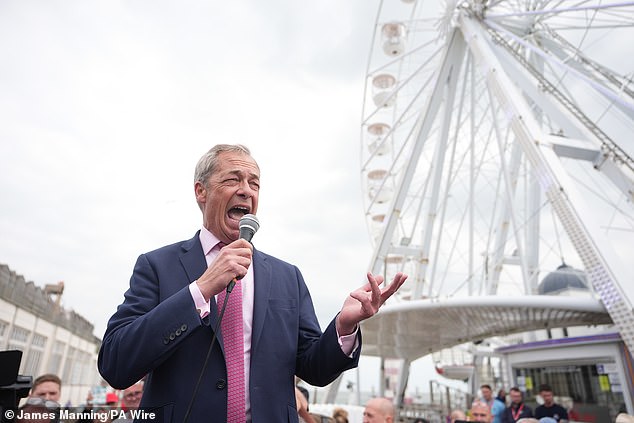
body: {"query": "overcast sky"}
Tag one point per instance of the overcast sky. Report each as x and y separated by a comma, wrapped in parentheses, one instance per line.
(106, 106)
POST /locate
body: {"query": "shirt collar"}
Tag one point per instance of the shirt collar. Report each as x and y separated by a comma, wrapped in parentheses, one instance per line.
(207, 240)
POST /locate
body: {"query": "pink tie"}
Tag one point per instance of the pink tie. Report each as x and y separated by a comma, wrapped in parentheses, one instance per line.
(232, 335)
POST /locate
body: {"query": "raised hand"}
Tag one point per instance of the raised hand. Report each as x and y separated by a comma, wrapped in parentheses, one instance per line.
(365, 302)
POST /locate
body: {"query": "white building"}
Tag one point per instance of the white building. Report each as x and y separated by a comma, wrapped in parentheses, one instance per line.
(52, 339)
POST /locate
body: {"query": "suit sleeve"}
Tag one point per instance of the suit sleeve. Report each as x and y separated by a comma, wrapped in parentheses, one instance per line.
(320, 359)
(145, 330)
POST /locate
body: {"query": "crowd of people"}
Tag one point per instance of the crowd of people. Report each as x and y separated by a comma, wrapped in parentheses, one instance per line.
(43, 404)
(492, 409)
(45, 394)
(498, 409)
(487, 409)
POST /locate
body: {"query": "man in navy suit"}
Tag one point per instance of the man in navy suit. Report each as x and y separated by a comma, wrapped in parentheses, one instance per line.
(165, 325)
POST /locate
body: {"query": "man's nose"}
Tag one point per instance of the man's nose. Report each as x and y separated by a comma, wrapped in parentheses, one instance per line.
(246, 190)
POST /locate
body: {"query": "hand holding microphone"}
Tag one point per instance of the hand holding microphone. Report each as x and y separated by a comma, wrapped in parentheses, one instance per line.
(248, 225)
(233, 261)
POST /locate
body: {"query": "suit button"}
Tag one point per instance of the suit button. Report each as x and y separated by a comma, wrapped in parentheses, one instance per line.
(220, 384)
(172, 336)
(166, 341)
(178, 332)
(184, 327)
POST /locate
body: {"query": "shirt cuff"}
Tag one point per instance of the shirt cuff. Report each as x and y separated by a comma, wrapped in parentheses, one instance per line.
(348, 343)
(202, 306)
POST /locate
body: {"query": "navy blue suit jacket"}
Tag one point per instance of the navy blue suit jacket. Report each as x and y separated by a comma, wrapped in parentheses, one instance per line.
(157, 331)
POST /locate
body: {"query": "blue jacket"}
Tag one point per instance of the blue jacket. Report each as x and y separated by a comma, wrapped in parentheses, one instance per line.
(497, 408)
(157, 332)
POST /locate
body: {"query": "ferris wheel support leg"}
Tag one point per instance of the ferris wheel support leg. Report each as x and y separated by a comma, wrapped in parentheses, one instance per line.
(449, 95)
(603, 267)
(449, 69)
(403, 378)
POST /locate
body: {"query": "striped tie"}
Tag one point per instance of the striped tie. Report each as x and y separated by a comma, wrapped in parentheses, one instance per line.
(233, 339)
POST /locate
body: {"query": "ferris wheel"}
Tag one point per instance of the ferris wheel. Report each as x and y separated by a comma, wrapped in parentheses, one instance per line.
(497, 144)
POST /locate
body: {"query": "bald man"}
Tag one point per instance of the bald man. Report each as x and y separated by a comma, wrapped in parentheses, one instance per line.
(457, 416)
(378, 410)
(480, 412)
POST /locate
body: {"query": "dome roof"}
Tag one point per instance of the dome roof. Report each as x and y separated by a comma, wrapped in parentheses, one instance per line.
(563, 278)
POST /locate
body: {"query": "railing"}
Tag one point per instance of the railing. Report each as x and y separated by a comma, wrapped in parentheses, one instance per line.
(442, 400)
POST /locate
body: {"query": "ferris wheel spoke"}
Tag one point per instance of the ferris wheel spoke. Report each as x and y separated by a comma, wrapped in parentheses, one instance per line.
(561, 10)
(465, 213)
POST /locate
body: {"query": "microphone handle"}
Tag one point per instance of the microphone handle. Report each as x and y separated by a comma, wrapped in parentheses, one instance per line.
(231, 285)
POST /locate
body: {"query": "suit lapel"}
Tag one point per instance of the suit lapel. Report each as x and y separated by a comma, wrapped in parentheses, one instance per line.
(262, 287)
(195, 264)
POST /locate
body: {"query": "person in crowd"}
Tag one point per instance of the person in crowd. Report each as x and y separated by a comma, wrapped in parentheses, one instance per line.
(340, 415)
(132, 396)
(379, 410)
(48, 387)
(496, 406)
(131, 400)
(30, 413)
(303, 390)
(43, 400)
(480, 412)
(112, 400)
(624, 418)
(501, 396)
(549, 408)
(517, 410)
(302, 407)
(457, 415)
(101, 414)
(270, 331)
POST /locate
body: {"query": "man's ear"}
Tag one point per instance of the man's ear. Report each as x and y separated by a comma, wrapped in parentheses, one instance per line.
(200, 191)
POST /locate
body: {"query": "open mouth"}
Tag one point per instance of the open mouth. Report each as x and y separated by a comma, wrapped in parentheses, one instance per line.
(236, 212)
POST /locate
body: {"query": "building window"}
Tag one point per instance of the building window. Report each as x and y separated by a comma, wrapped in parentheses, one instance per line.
(17, 341)
(75, 376)
(19, 335)
(55, 362)
(3, 333)
(68, 365)
(32, 362)
(35, 354)
(38, 341)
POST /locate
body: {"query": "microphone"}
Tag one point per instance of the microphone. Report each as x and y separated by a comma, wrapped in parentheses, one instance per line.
(248, 225)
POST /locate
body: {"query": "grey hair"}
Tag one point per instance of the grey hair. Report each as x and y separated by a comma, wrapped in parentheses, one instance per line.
(208, 162)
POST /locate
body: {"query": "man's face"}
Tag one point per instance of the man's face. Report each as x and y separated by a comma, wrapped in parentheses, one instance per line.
(547, 396)
(516, 397)
(230, 193)
(481, 413)
(373, 414)
(47, 390)
(486, 393)
(132, 396)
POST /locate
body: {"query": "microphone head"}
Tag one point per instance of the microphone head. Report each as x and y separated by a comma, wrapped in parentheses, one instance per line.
(248, 225)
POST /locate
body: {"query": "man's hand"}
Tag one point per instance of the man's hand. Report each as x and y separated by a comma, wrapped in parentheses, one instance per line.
(366, 301)
(232, 261)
